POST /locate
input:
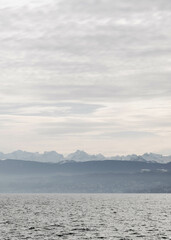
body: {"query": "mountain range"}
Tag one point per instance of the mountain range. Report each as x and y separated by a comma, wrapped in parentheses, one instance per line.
(80, 156)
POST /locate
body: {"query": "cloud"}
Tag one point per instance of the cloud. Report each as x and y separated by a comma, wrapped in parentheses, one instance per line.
(51, 110)
(70, 128)
(128, 135)
(124, 91)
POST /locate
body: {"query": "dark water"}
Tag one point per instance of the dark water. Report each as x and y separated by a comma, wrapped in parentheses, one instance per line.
(85, 216)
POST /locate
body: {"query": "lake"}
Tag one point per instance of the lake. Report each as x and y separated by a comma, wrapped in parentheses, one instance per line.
(85, 216)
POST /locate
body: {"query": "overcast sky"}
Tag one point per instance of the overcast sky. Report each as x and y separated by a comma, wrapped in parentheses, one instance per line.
(93, 75)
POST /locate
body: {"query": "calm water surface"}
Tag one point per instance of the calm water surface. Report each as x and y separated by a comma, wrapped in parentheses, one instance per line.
(85, 216)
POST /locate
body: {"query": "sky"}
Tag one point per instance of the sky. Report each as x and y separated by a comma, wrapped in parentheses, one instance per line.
(93, 75)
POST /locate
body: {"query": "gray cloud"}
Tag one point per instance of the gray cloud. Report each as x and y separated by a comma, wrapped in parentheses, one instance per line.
(70, 128)
(55, 110)
(145, 90)
(129, 135)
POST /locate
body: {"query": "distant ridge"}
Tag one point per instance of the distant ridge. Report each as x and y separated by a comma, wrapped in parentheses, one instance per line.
(80, 156)
(117, 166)
(108, 176)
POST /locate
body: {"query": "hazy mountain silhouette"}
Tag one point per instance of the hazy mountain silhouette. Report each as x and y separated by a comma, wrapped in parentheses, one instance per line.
(80, 156)
(91, 176)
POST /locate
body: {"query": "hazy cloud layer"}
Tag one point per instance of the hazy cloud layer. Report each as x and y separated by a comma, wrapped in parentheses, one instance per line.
(89, 74)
